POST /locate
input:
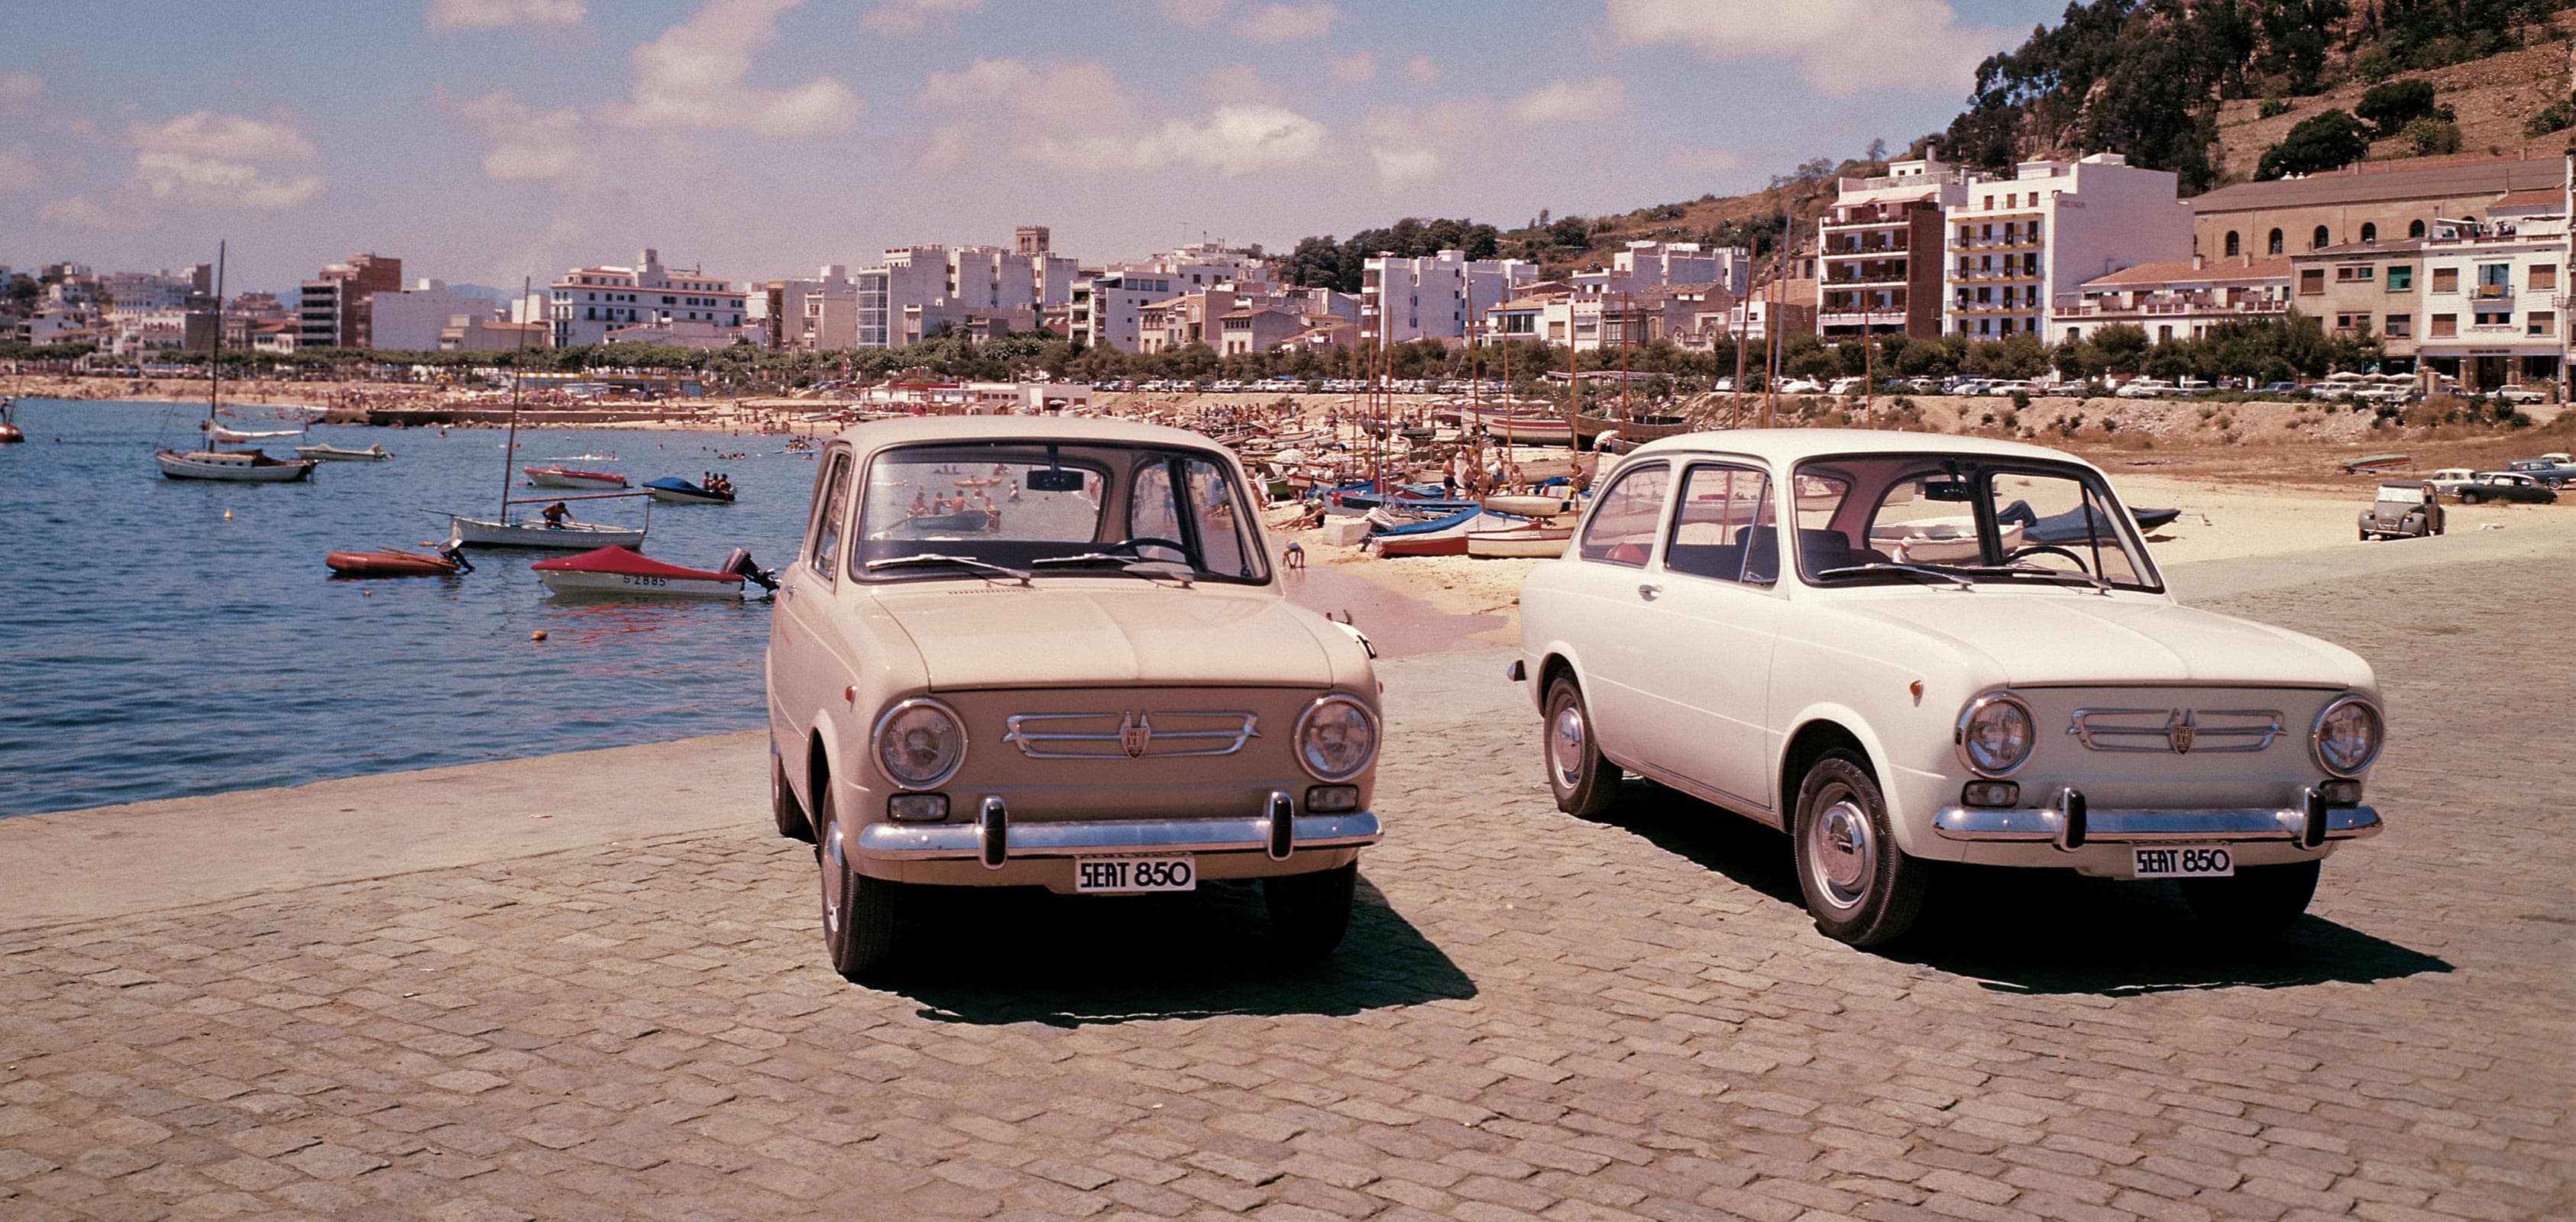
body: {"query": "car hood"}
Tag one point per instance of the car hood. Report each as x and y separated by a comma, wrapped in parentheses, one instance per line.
(1075, 632)
(2032, 637)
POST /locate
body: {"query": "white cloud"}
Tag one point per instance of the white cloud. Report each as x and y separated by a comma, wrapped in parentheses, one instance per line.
(17, 174)
(1083, 93)
(1357, 68)
(1009, 104)
(1289, 22)
(524, 142)
(1838, 45)
(908, 16)
(452, 16)
(1229, 141)
(1561, 101)
(82, 211)
(1411, 148)
(18, 88)
(1421, 70)
(212, 161)
(1703, 161)
(692, 77)
(1196, 14)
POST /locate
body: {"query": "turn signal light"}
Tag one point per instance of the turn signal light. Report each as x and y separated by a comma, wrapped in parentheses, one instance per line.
(1990, 793)
(2340, 793)
(1332, 799)
(917, 807)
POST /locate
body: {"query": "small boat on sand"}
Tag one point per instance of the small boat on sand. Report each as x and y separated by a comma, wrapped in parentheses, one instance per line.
(387, 562)
(332, 453)
(672, 490)
(615, 570)
(570, 477)
(1527, 541)
(1527, 506)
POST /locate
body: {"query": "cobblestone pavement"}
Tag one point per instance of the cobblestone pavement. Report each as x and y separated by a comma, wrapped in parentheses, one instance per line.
(1535, 1016)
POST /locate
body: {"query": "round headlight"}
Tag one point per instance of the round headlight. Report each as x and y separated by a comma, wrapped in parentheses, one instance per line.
(1336, 738)
(919, 743)
(1996, 734)
(2348, 736)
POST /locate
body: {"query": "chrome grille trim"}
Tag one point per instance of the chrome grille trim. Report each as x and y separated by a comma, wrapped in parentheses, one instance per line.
(2178, 731)
(1174, 733)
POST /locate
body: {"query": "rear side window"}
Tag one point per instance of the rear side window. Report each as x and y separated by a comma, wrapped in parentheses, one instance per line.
(823, 531)
(1725, 528)
(1622, 527)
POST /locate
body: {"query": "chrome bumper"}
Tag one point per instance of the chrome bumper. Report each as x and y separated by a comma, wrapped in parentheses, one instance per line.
(994, 845)
(2075, 828)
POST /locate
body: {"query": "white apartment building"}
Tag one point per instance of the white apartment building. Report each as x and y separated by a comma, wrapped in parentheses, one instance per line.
(1652, 265)
(1403, 299)
(410, 320)
(1867, 245)
(812, 315)
(2179, 300)
(1109, 304)
(590, 302)
(2018, 244)
(916, 290)
(153, 292)
(2495, 294)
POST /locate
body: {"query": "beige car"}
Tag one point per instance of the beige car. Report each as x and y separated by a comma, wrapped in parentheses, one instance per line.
(1054, 653)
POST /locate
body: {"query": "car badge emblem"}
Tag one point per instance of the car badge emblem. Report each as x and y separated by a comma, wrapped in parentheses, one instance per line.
(1135, 733)
(2179, 729)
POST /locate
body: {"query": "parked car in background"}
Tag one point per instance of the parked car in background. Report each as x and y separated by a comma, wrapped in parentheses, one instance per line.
(2146, 388)
(2279, 388)
(1093, 683)
(2402, 509)
(1801, 386)
(2449, 480)
(1847, 386)
(1731, 621)
(2553, 472)
(2508, 487)
(2521, 395)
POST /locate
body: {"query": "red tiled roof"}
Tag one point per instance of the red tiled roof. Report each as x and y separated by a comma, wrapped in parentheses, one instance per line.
(2216, 271)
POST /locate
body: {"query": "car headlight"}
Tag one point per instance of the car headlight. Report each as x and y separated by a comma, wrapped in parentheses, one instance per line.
(2347, 737)
(1336, 738)
(919, 743)
(1995, 735)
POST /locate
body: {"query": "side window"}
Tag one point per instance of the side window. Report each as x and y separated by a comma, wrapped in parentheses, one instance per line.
(1223, 527)
(1622, 528)
(823, 532)
(1725, 527)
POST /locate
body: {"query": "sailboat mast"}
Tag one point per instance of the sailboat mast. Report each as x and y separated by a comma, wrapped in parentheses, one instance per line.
(510, 449)
(215, 361)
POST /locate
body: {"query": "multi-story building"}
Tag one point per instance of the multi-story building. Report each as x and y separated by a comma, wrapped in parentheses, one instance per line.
(1257, 329)
(2365, 288)
(335, 309)
(2375, 201)
(590, 302)
(1178, 322)
(410, 320)
(1645, 265)
(810, 315)
(1868, 244)
(2018, 244)
(486, 332)
(2495, 294)
(2178, 300)
(153, 292)
(917, 290)
(1404, 299)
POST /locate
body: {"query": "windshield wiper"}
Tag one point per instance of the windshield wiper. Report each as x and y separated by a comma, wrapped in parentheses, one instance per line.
(2047, 574)
(1126, 564)
(1920, 572)
(963, 562)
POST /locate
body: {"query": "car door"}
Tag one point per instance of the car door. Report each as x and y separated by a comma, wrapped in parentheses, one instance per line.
(1714, 618)
(803, 640)
(1619, 658)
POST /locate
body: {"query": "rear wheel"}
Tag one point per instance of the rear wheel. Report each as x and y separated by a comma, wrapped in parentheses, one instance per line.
(783, 806)
(1309, 913)
(2260, 901)
(1861, 888)
(858, 911)
(1583, 781)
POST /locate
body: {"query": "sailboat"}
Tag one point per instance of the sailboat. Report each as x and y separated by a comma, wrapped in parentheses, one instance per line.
(213, 462)
(565, 534)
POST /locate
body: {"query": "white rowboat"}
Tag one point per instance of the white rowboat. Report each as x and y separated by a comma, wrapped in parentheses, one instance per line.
(232, 466)
(576, 536)
(331, 453)
(1543, 542)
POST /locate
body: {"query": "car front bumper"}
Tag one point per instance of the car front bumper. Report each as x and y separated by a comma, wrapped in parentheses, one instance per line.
(2073, 828)
(995, 840)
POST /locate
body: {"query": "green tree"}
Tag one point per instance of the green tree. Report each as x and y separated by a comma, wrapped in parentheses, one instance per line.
(2427, 136)
(2389, 107)
(2319, 142)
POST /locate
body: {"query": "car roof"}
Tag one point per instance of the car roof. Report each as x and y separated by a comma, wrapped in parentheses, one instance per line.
(878, 434)
(1789, 445)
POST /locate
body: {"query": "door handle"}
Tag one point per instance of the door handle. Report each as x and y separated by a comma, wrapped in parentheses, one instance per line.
(1648, 592)
(787, 592)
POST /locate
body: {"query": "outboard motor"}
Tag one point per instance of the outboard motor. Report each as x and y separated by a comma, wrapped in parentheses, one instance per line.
(739, 561)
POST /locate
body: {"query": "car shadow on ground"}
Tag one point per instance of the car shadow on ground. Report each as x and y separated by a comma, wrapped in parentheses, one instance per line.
(2041, 931)
(1025, 955)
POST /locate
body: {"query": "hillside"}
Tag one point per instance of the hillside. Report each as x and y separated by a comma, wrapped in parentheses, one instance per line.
(2492, 97)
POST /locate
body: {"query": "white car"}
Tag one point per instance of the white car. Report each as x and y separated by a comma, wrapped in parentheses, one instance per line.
(2146, 388)
(2521, 394)
(1909, 649)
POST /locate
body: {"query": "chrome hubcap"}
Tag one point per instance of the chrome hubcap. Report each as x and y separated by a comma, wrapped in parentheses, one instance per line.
(831, 872)
(1842, 852)
(1565, 746)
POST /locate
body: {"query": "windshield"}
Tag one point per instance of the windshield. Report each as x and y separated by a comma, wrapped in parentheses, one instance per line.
(1063, 508)
(1903, 517)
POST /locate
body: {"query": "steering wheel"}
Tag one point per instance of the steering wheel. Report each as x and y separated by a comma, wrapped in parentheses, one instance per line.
(1136, 546)
(2041, 548)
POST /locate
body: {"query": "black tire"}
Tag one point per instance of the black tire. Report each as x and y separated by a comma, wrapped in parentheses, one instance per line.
(1584, 782)
(1309, 913)
(2259, 902)
(783, 806)
(1860, 887)
(2468, 498)
(858, 911)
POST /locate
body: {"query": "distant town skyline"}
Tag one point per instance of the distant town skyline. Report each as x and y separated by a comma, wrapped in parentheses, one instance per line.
(480, 140)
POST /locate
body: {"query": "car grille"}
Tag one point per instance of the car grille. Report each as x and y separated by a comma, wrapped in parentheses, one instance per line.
(1131, 734)
(2179, 731)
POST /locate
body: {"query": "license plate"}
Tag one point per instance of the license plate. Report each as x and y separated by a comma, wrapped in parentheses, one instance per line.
(1111, 874)
(2204, 861)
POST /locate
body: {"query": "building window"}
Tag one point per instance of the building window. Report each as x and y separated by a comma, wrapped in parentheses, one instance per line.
(2276, 243)
(2401, 279)
(2494, 279)
(2369, 232)
(2231, 243)
(2317, 240)
(2400, 326)
(2414, 229)
(2312, 281)
(2446, 280)
(2542, 323)
(2445, 326)
(2347, 275)
(2544, 275)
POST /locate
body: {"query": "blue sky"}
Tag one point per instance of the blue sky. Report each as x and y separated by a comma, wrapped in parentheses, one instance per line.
(480, 140)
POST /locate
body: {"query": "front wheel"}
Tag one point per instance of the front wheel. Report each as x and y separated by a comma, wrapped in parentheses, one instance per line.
(1309, 913)
(858, 911)
(1585, 783)
(1860, 887)
(2259, 902)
